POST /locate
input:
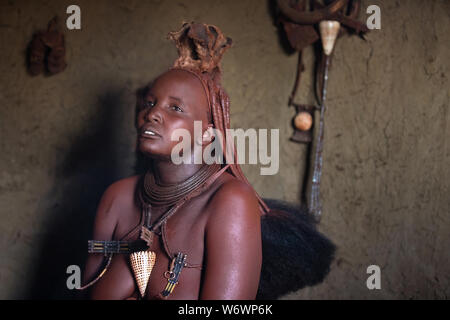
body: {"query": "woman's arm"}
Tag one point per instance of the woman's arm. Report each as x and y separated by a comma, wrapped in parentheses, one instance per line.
(104, 225)
(232, 244)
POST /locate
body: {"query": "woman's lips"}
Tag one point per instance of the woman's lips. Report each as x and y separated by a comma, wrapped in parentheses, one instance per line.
(149, 133)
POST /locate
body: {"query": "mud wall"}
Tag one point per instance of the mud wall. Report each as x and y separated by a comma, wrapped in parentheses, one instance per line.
(65, 138)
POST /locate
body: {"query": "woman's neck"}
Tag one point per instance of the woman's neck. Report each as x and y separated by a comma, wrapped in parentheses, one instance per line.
(166, 172)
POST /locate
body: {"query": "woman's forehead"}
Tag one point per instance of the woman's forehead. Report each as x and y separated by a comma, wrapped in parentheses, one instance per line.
(183, 85)
(179, 80)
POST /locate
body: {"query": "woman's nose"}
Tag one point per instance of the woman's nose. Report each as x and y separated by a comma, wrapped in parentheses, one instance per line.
(154, 115)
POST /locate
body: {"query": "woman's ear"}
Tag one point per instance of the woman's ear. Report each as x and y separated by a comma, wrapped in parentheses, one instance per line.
(208, 134)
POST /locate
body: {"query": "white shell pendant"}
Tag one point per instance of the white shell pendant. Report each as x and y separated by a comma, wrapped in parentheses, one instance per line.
(328, 32)
(142, 263)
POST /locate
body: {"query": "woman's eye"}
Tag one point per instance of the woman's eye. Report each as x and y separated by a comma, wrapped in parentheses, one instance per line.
(149, 104)
(177, 108)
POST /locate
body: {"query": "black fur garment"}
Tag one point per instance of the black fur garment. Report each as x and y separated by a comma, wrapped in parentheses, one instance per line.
(295, 254)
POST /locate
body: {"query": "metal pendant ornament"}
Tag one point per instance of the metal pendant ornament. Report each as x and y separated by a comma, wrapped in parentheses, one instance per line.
(172, 276)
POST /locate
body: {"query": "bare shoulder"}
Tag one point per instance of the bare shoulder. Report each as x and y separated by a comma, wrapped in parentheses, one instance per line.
(234, 201)
(122, 188)
(233, 252)
(118, 196)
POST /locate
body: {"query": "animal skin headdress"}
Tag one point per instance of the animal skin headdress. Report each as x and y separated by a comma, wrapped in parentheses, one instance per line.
(200, 49)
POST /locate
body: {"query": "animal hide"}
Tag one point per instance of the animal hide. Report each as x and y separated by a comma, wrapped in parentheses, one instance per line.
(295, 254)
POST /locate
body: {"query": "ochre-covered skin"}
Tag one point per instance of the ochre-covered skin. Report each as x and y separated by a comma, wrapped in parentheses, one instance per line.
(220, 229)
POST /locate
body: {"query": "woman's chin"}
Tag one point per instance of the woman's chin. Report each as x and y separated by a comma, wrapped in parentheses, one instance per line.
(155, 149)
(154, 153)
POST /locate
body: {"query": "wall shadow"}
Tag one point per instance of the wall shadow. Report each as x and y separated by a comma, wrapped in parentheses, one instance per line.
(87, 170)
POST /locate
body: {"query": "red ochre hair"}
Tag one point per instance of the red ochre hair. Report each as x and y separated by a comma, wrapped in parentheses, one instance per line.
(200, 49)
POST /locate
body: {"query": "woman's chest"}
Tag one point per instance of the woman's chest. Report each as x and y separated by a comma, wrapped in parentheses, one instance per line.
(182, 233)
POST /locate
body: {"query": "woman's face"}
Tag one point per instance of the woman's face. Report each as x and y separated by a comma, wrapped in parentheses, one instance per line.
(175, 100)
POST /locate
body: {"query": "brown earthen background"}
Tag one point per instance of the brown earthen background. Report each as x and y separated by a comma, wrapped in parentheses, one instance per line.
(65, 138)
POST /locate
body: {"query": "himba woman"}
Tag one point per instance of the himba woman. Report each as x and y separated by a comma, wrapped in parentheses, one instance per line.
(189, 231)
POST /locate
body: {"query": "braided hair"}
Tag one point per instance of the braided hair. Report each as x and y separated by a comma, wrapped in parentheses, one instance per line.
(200, 49)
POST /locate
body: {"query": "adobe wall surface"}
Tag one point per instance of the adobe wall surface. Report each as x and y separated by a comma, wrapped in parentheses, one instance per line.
(386, 174)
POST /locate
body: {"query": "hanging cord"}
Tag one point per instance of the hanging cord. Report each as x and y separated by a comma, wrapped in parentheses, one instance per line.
(92, 282)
